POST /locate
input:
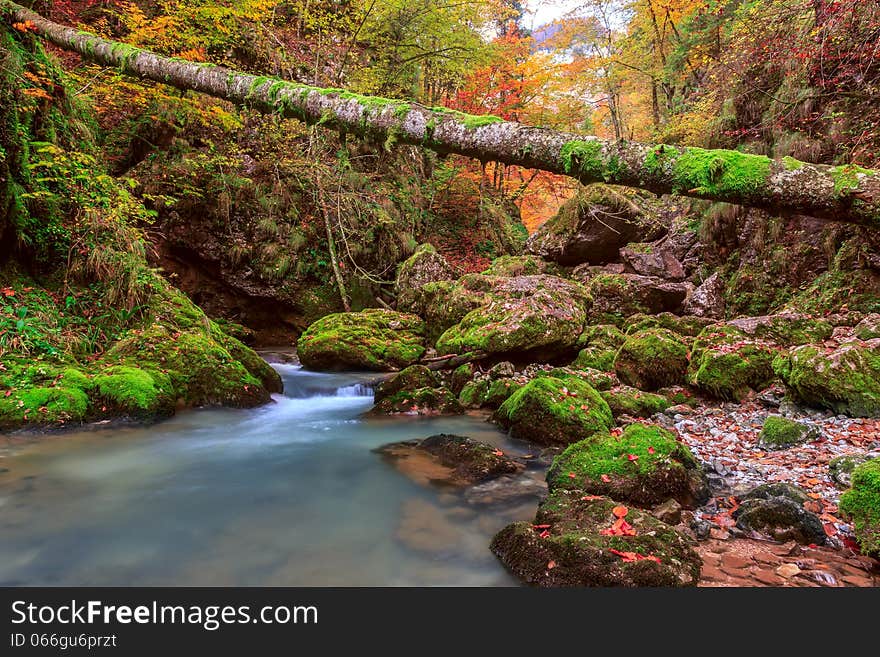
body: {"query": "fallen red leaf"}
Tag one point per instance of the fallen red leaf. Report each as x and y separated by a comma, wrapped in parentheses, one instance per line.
(620, 511)
(541, 526)
(571, 475)
(606, 478)
(628, 557)
(551, 565)
(830, 529)
(590, 498)
(544, 534)
(633, 457)
(650, 450)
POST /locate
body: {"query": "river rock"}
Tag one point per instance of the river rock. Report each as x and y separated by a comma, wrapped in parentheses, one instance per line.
(643, 465)
(463, 461)
(571, 543)
(536, 317)
(652, 359)
(841, 468)
(373, 339)
(781, 433)
(777, 511)
(552, 411)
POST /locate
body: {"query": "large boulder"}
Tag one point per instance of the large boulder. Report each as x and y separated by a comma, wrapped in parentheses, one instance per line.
(593, 225)
(785, 329)
(624, 400)
(552, 411)
(844, 380)
(374, 339)
(422, 267)
(462, 460)
(536, 317)
(644, 465)
(726, 363)
(579, 540)
(616, 296)
(651, 259)
(777, 511)
(652, 359)
(861, 504)
(600, 344)
(445, 303)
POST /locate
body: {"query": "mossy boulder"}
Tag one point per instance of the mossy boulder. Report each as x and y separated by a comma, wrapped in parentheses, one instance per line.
(644, 465)
(551, 411)
(727, 364)
(201, 370)
(499, 391)
(624, 400)
(374, 339)
(424, 266)
(686, 326)
(444, 303)
(841, 467)
(600, 343)
(408, 379)
(652, 359)
(861, 504)
(51, 404)
(473, 394)
(786, 329)
(463, 461)
(570, 543)
(596, 378)
(524, 265)
(531, 317)
(781, 433)
(845, 380)
(460, 377)
(419, 401)
(622, 295)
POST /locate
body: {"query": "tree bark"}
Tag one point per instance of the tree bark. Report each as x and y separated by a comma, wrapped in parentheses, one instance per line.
(845, 193)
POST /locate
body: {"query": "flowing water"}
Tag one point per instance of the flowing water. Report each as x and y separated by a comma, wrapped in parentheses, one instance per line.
(286, 494)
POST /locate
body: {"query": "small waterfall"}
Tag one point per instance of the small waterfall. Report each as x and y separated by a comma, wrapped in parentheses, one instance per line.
(355, 390)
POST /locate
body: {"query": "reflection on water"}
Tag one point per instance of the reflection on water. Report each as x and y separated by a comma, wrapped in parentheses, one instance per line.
(286, 494)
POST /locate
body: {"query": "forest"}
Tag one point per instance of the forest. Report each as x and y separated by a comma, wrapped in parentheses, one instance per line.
(440, 292)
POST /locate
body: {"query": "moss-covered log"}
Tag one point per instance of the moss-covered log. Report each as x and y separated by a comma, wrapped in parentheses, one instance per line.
(847, 192)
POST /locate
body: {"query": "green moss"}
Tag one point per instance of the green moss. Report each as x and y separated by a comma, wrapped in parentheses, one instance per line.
(730, 371)
(553, 411)
(661, 160)
(862, 504)
(635, 403)
(610, 455)
(598, 379)
(652, 359)
(792, 164)
(846, 177)
(473, 393)
(373, 339)
(43, 405)
(584, 158)
(780, 433)
(720, 172)
(134, 390)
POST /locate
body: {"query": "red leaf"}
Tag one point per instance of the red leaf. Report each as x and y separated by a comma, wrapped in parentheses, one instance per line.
(551, 565)
(541, 526)
(620, 511)
(571, 475)
(650, 450)
(633, 457)
(544, 534)
(830, 529)
(606, 478)
(590, 498)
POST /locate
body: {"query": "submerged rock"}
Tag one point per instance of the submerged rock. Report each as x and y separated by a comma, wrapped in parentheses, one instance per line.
(572, 543)
(464, 461)
(845, 380)
(551, 411)
(781, 518)
(644, 465)
(373, 339)
(652, 359)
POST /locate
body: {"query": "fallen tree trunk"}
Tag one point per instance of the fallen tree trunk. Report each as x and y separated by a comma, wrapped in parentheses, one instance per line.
(845, 193)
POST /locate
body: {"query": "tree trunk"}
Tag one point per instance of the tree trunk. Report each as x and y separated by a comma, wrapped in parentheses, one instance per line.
(846, 193)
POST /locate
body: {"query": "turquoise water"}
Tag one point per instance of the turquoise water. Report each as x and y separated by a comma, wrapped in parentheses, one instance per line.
(286, 494)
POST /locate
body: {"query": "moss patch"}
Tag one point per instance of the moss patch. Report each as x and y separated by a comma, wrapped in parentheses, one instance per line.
(551, 411)
(652, 359)
(781, 433)
(862, 504)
